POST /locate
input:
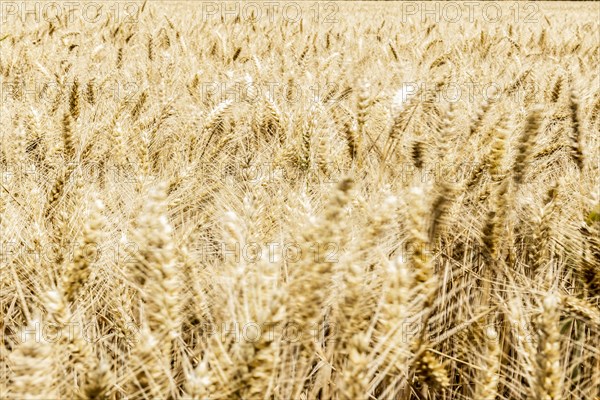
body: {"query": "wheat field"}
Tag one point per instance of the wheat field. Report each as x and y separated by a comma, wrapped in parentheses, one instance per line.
(300, 200)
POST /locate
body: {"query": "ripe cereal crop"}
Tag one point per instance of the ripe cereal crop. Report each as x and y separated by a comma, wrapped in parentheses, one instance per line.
(300, 200)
